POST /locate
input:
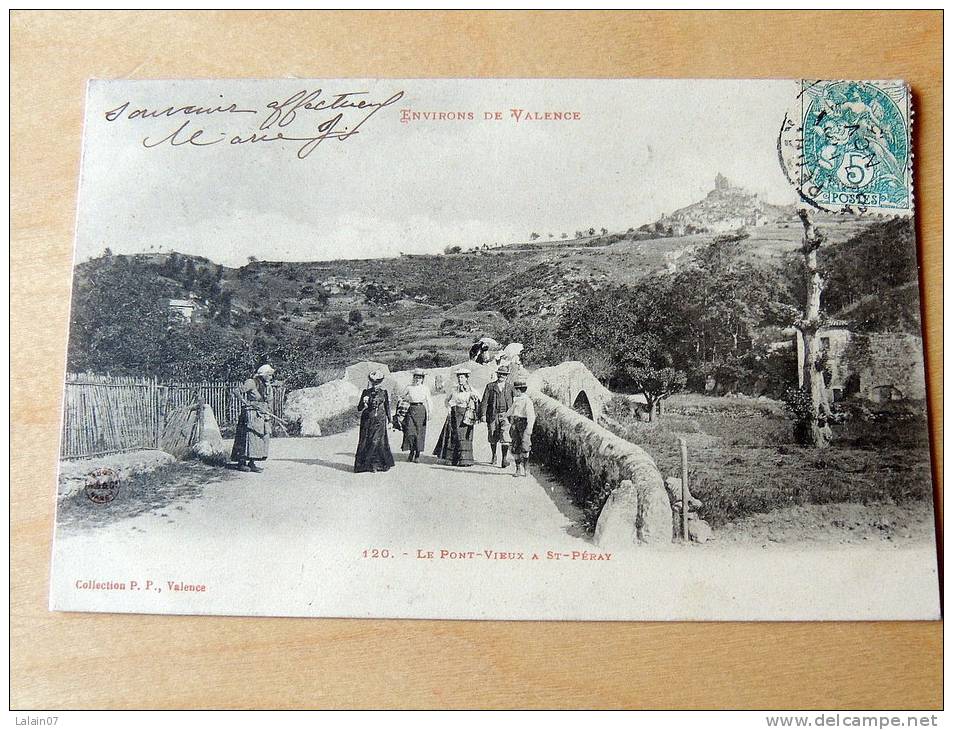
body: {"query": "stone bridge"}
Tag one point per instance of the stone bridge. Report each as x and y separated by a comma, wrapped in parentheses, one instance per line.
(574, 385)
(570, 403)
(571, 383)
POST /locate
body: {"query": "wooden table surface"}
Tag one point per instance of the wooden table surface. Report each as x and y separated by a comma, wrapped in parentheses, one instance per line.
(156, 661)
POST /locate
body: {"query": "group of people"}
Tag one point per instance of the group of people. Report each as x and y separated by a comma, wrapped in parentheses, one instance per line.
(505, 407)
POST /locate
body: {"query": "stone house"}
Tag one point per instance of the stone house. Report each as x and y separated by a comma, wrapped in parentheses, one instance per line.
(894, 368)
(890, 368)
(185, 310)
(833, 339)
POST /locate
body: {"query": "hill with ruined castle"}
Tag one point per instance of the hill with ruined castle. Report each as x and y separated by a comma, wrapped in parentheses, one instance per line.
(727, 207)
(148, 313)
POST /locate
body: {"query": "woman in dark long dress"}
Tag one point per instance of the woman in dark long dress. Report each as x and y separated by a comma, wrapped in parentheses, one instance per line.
(414, 423)
(373, 448)
(253, 432)
(456, 439)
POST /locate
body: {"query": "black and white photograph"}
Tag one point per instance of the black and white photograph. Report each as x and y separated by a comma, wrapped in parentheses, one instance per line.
(488, 349)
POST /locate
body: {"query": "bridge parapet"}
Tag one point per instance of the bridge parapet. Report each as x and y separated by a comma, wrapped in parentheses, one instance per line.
(616, 482)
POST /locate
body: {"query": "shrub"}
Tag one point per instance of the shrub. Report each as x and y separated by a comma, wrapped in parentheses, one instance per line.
(798, 403)
(873, 426)
(427, 360)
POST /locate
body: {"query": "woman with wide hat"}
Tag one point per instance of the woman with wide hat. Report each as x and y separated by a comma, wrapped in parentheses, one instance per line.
(373, 448)
(416, 401)
(456, 439)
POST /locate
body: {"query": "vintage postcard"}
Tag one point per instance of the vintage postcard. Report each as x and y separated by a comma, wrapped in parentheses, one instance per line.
(497, 349)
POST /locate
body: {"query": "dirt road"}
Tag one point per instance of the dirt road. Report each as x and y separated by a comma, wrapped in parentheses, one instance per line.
(310, 537)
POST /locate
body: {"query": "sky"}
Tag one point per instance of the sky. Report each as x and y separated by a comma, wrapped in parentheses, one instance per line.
(639, 149)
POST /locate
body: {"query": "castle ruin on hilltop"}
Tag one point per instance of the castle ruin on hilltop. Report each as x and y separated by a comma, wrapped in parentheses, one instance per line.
(727, 207)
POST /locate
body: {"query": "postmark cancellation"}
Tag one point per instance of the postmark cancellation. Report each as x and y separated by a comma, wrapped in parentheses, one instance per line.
(845, 146)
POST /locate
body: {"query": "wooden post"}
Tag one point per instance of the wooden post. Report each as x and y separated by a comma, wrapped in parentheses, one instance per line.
(684, 448)
(162, 394)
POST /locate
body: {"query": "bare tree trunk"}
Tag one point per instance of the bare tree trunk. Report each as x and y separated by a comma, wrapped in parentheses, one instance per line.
(812, 377)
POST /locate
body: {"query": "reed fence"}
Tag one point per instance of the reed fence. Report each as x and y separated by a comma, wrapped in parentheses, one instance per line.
(106, 414)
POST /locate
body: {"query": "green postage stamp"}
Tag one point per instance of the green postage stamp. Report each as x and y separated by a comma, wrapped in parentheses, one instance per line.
(846, 146)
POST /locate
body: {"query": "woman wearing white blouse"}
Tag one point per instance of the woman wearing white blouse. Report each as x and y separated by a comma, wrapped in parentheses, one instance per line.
(456, 439)
(414, 424)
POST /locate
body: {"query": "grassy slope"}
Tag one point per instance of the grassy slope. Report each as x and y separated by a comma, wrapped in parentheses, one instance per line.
(743, 462)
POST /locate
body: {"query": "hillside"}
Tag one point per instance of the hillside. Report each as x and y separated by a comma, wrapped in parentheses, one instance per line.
(316, 316)
(727, 207)
(340, 311)
(559, 271)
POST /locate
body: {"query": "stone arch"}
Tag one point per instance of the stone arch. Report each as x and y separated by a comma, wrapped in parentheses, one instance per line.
(582, 405)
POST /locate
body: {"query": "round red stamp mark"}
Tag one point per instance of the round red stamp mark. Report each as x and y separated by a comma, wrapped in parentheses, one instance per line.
(102, 485)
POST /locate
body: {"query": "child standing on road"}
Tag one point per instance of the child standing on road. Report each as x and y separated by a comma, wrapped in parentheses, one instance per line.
(522, 417)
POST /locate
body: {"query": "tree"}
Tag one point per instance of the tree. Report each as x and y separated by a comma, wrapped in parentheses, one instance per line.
(533, 236)
(540, 346)
(207, 351)
(657, 384)
(625, 333)
(173, 266)
(119, 319)
(603, 231)
(207, 283)
(223, 308)
(189, 277)
(718, 303)
(355, 317)
(814, 429)
(335, 324)
(870, 279)
(321, 299)
(380, 295)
